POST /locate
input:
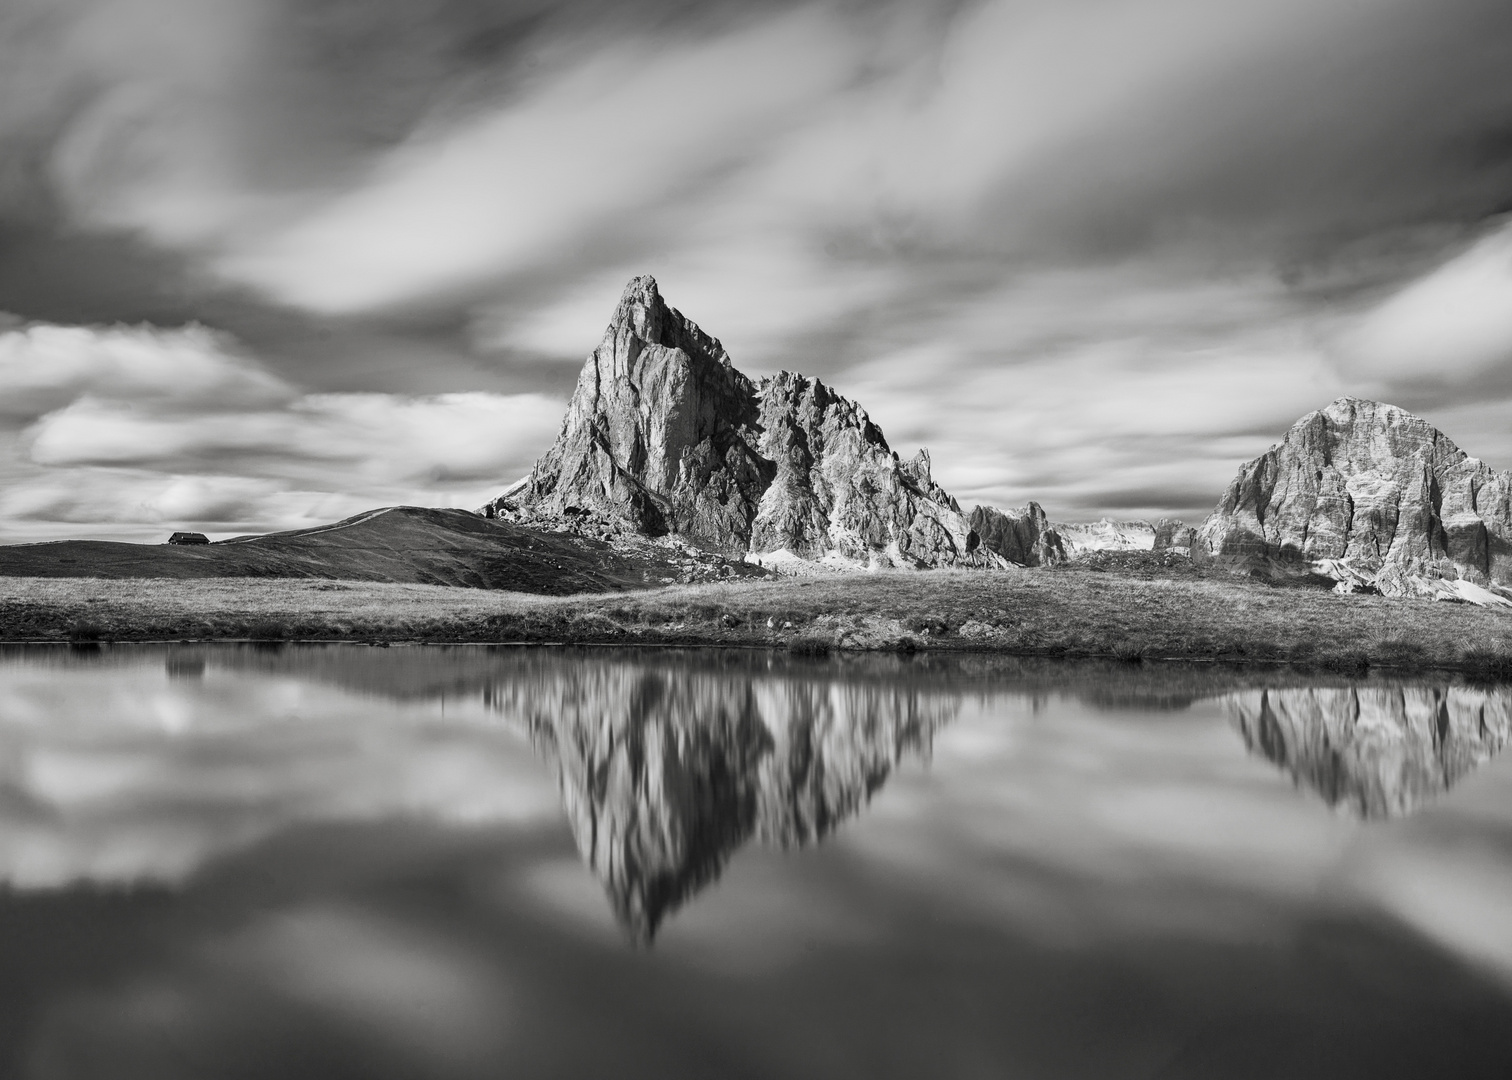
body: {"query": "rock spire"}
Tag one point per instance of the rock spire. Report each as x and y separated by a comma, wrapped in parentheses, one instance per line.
(664, 436)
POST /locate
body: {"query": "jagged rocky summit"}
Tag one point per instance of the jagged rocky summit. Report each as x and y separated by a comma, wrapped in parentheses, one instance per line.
(664, 436)
(1374, 497)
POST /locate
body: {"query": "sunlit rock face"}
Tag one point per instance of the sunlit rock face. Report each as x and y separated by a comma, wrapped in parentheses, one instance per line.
(1376, 489)
(1377, 751)
(840, 488)
(1106, 535)
(660, 431)
(664, 436)
(1020, 536)
(665, 773)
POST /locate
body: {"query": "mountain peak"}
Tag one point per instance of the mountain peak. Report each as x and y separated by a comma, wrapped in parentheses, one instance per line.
(642, 315)
(641, 312)
(642, 289)
(1371, 485)
(664, 435)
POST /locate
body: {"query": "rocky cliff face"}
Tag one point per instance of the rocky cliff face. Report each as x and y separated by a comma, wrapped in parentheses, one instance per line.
(1021, 536)
(1380, 751)
(664, 436)
(660, 432)
(1175, 535)
(1374, 489)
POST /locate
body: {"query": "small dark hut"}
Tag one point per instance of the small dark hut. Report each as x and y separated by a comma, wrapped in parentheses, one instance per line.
(188, 538)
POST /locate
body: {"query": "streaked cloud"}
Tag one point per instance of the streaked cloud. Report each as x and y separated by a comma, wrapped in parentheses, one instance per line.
(139, 426)
(1453, 323)
(1092, 254)
(380, 437)
(636, 122)
(44, 367)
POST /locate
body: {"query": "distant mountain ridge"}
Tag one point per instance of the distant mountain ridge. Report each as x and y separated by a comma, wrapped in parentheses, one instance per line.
(663, 435)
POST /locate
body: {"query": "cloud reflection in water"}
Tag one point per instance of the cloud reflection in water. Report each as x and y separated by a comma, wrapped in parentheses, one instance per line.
(331, 825)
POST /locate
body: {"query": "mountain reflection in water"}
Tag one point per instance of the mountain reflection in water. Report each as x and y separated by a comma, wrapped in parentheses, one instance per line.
(665, 770)
(667, 762)
(323, 861)
(670, 762)
(1377, 750)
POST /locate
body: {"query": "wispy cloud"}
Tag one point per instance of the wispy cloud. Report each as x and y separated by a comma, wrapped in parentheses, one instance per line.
(1093, 254)
(583, 154)
(1448, 326)
(121, 426)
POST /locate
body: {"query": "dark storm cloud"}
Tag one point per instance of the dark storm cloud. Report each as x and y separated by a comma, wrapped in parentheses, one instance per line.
(1190, 502)
(1093, 253)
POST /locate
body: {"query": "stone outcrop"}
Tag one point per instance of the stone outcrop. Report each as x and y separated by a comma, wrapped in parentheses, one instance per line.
(1172, 534)
(1379, 751)
(664, 436)
(1020, 536)
(1366, 491)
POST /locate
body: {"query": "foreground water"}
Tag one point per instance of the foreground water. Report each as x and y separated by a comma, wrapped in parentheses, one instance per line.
(457, 862)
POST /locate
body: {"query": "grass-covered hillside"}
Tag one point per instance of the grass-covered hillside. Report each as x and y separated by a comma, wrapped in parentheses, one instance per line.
(404, 544)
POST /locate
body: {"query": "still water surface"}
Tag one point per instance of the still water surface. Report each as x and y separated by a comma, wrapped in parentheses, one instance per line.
(476, 862)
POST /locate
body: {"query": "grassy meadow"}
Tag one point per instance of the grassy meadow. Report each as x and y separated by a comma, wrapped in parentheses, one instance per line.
(1064, 612)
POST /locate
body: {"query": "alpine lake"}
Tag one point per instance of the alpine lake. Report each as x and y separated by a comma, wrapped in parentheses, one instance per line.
(346, 861)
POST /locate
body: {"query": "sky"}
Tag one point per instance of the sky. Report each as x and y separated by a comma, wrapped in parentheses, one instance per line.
(268, 263)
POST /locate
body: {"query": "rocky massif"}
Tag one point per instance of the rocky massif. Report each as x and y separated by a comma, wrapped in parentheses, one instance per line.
(1372, 496)
(664, 436)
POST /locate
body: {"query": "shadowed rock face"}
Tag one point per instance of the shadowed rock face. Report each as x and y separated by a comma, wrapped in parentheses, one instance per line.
(1375, 487)
(1172, 534)
(665, 436)
(665, 773)
(1379, 751)
(1022, 536)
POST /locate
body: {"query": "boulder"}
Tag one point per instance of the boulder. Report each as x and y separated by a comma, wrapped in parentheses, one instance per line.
(664, 436)
(1360, 487)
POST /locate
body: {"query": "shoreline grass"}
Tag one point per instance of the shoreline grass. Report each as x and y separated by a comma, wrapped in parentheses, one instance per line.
(1032, 613)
